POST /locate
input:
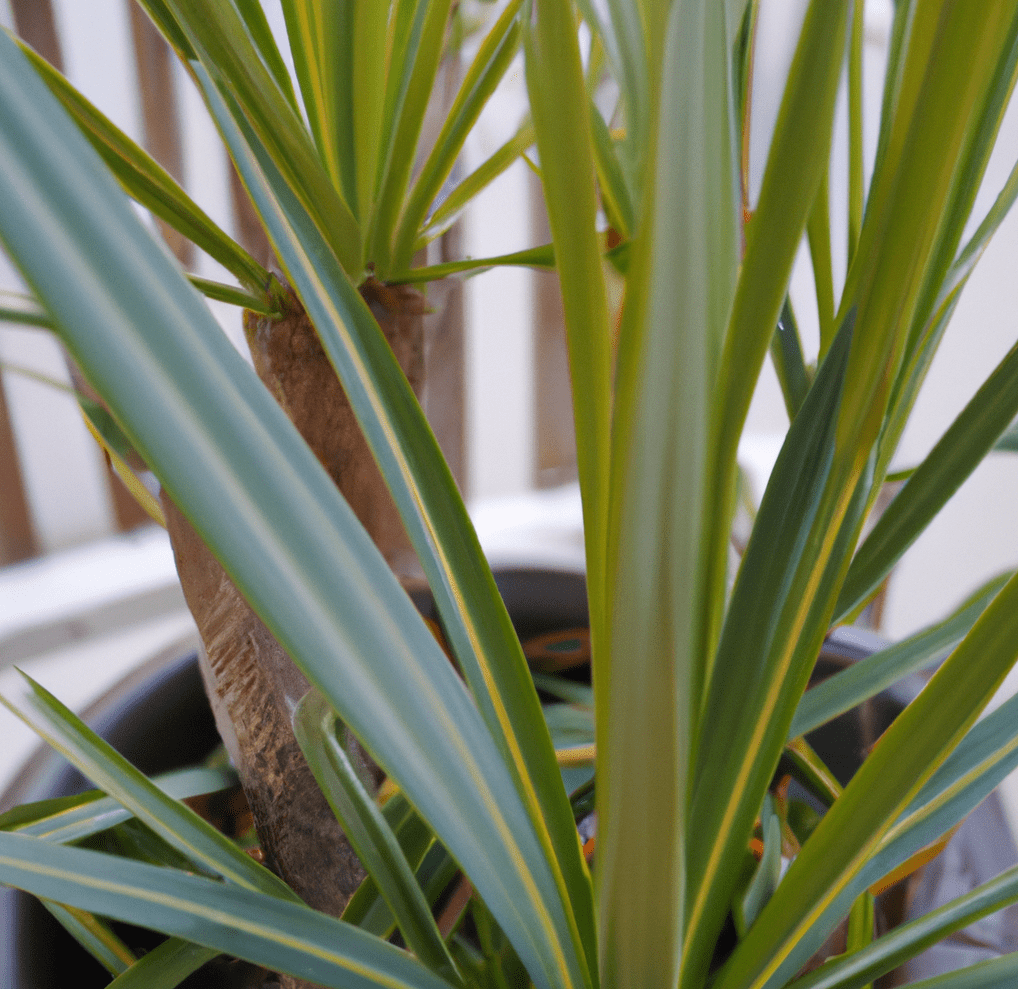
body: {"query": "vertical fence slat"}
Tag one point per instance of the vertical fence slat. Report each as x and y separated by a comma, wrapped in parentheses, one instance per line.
(18, 540)
(160, 122)
(555, 436)
(35, 23)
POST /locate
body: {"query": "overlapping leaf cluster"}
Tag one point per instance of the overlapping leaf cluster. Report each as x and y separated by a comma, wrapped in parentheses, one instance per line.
(698, 680)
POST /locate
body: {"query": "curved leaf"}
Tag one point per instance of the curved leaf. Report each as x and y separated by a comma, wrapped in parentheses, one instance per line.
(165, 966)
(172, 821)
(146, 181)
(283, 936)
(906, 941)
(851, 833)
(235, 464)
(449, 210)
(315, 726)
(867, 677)
(486, 71)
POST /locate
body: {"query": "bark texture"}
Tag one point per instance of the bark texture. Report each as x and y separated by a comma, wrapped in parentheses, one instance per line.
(251, 681)
(290, 360)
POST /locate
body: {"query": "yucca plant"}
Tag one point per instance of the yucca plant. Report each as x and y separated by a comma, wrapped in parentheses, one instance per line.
(699, 667)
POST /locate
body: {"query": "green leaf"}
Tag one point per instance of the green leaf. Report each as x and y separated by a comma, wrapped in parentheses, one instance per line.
(855, 128)
(950, 78)
(1008, 442)
(616, 197)
(474, 617)
(160, 15)
(796, 163)
(621, 27)
(26, 815)
(367, 908)
(165, 966)
(800, 761)
(175, 823)
(94, 935)
(283, 936)
(789, 364)
(818, 230)
(146, 181)
(418, 38)
(852, 831)
(957, 453)
(72, 819)
(866, 678)
(261, 33)
(434, 875)
(235, 296)
(987, 754)
(945, 276)
(222, 43)
(339, 53)
(986, 975)
(566, 690)
(861, 926)
(765, 879)
(556, 85)
(681, 279)
(23, 310)
(540, 258)
(778, 615)
(908, 940)
(272, 515)
(449, 210)
(486, 71)
(316, 726)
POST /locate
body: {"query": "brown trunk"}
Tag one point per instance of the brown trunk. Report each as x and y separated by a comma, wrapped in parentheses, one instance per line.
(250, 680)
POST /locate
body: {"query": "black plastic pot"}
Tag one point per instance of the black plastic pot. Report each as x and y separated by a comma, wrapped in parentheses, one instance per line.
(160, 720)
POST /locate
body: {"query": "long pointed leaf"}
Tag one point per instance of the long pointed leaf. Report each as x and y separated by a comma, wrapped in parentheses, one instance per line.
(261, 33)
(555, 83)
(476, 622)
(452, 206)
(417, 61)
(957, 453)
(70, 819)
(681, 281)
(866, 678)
(540, 258)
(220, 38)
(616, 196)
(283, 936)
(801, 142)
(486, 71)
(777, 619)
(315, 725)
(149, 183)
(908, 940)
(165, 966)
(912, 749)
(268, 510)
(175, 823)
